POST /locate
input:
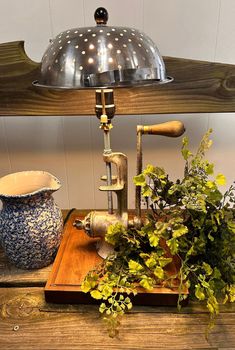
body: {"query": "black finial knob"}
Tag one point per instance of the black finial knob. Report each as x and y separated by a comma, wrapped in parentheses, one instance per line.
(101, 16)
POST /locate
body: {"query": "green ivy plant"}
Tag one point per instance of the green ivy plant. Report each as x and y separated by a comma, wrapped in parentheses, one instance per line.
(189, 219)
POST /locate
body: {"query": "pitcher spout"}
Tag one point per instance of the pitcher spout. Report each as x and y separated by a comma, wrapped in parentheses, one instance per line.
(27, 183)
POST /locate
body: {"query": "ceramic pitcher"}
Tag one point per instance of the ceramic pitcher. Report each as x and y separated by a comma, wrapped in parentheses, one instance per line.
(30, 222)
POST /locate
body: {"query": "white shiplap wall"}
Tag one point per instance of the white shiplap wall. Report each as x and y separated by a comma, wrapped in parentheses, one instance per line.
(71, 147)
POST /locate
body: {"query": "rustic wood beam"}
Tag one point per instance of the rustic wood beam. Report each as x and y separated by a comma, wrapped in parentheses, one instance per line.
(198, 87)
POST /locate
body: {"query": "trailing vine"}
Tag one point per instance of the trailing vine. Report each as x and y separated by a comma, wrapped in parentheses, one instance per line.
(189, 221)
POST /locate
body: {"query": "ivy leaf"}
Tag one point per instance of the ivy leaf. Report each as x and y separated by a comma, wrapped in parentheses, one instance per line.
(146, 191)
(150, 169)
(96, 294)
(231, 225)
(173, 244)
(220, 180)
(186, 153)
(153, 239)
(209, 169)
(146, 282)
(207, 268)
(102, 308)
(159, 272)
(86, 286)
(139, 180)
(210, 184)
(199, 292)
(151, 262)
(180, 231)
(114, 233)
(134, 267)
(164, 261)
(231, 290)
(212, 305)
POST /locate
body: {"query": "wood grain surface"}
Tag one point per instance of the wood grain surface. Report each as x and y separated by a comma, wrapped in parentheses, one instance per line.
(28, 322)
(39, 325)
(198, 87)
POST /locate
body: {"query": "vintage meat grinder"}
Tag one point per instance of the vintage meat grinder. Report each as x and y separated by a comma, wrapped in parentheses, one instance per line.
(96, 223)
(101, 58)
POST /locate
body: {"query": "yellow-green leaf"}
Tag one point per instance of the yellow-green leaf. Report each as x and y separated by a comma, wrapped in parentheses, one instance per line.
(139, 180)
(199, 292)
(159, 272)
(220, 180)
(96, 294)
(135, 267)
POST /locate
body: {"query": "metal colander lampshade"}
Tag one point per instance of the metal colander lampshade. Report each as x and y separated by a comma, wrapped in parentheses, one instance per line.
(101, 56)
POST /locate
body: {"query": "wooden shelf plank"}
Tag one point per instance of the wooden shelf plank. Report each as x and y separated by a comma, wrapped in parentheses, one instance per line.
(79, 326)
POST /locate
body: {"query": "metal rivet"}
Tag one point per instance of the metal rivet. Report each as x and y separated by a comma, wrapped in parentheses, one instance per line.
(85, 40)
(67, 36)
(83, 52)
(118, 51)
(90, 60)
(124, 45)
(108, 34)
(89, 30)
(110, 59)
(81, 34)
(116, 39)
(125, 30)
(81, 67)
(139, 45)
(16, 328)
(101, 30)
(68, 31)
(91, 46)
(60, 47)
(121, 34)
(129, 40)
(113, 29)
(77, 46)
(76, 31)
(93, 34)
(110, 46)
(119, 66)
(69, 42)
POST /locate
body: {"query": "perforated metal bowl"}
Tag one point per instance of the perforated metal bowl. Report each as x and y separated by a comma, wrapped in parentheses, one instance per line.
(101, 56)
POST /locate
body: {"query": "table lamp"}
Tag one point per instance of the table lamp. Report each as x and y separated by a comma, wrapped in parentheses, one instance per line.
(102, 58)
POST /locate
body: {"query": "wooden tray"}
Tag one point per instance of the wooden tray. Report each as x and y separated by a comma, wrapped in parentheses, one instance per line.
(75, 258)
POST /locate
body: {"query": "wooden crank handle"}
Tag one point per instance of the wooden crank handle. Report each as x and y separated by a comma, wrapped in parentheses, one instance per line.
(172, 129)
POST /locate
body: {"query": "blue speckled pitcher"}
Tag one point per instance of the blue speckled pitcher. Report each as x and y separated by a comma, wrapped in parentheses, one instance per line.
(30, 222)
